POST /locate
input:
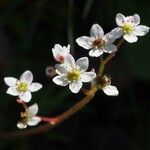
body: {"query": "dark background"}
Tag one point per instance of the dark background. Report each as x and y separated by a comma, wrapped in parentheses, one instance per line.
(28, 31)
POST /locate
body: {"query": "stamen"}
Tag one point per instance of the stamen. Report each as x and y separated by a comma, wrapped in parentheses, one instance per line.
(22, 87)
(73, 75)
(127, 28)
(98, 43)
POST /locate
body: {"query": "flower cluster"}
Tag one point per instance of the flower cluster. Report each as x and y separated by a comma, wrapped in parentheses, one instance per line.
(73, 73)
(68, 72)
(23, 88)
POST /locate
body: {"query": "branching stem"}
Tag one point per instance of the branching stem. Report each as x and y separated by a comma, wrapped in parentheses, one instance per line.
(53, 122)
(103, 62)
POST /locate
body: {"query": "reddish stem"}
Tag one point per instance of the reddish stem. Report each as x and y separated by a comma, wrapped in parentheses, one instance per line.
(21, 102)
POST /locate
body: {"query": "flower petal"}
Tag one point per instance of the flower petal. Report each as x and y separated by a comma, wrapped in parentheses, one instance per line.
(131, 38)
(96, 31)
(120, 19)
(141, 30)
(12, 91)
(110, 90)
(109, 37)
(10, 81)
(32, 110)
(21, 125)
(85, 42)
(69, 60)
(115, 34)
(75, 86)
(83, 62)
(95, 52)
(56, 51)
(60, 80)
(61, 69)
(136, 19)
(66, 49)
(110, 48)
(27, 77)
(88, 76)
(35, 87)
(34, 121)
(25, 96)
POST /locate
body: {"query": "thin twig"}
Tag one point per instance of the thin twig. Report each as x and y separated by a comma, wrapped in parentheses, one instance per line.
(53, 122)
(107, 59)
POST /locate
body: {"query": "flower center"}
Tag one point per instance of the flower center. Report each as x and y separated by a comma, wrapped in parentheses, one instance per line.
(98, 43)
(127, 28)
(104, 81)
(73, 75)
(22, 87)
(24, 117)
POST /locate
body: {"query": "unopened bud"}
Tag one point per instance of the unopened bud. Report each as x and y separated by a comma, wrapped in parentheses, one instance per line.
(50, 71)
(93, 70)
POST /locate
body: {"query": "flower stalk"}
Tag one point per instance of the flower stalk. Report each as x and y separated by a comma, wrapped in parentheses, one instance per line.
(103, 62)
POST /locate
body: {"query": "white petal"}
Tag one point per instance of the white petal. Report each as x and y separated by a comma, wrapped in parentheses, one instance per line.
(34, 121)
(141, 30)
(136, 19)
(12, 91)
(35, 87)
(32, 110)
(120, 19)
(83, 62)
(110, 37)
(110, 48)
(26, 97)
(85, 42)
(116, 33)
(61, 69)
(96, 31)
(27, 77)
(75, 86)
(131, 38)
(110, 90)
(57, 51)
(130, 20)
(95, 52)
(69, 60)
(10, 81)
(60, 80)
(66, 49)
(21, 125)
(88, 76)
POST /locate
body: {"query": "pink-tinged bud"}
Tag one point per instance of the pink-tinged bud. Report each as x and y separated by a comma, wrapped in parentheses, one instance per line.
(50, 71)
(60, 59)
(93, 70)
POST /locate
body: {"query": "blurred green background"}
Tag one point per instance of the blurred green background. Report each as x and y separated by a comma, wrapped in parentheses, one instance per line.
(28, 31)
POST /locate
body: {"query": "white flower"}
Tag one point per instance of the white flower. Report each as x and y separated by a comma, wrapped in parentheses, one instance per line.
(108, 89)
(29, 117)
(23, 87)
(97, 42)
(129, 28)
(60, 52)
(73, 73)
